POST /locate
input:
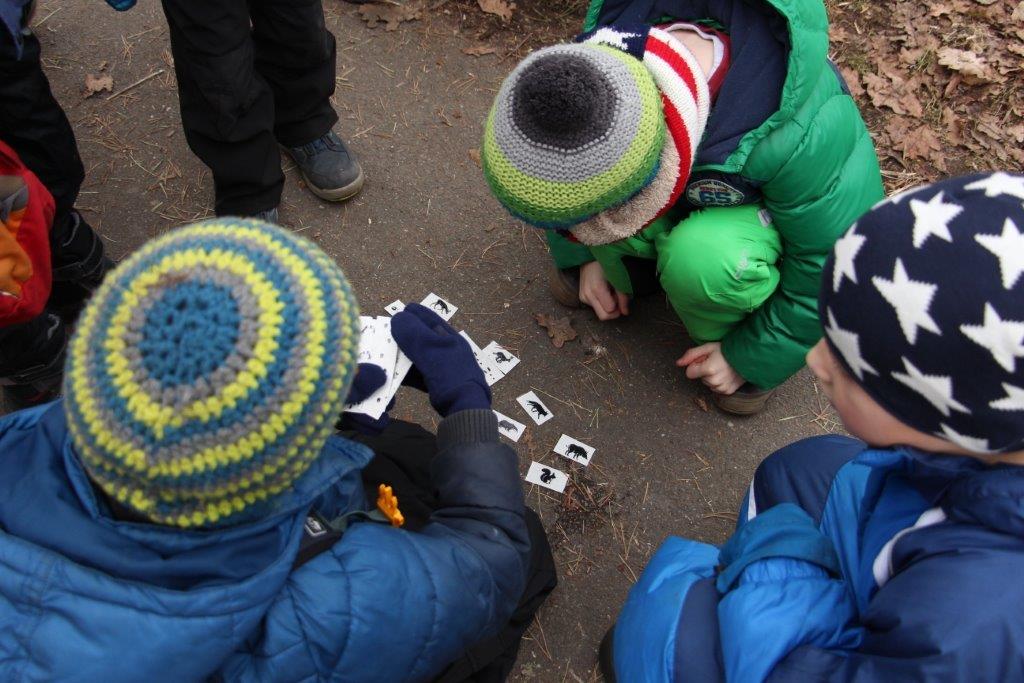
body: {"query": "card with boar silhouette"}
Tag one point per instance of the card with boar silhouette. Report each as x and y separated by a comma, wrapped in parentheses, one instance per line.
(577, 451)
(445, 309)
(547, 476)
(535, 408)
(509, 428)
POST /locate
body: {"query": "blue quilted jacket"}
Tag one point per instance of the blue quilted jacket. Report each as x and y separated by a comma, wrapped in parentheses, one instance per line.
(848, 564)
(84, 597)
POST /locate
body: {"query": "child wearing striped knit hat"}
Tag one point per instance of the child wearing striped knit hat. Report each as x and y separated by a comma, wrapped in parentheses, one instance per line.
(188, 512)
(708, 149)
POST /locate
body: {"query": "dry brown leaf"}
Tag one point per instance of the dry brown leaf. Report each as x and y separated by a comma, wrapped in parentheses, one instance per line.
(1018, 12)
(971, 66)
(954, 126)
(702, 404)
(95, 84)
(920, 142)
(1016, 132)
(479, 50)
(390, 15)
(559, 329)
(500, 8)
(893, 92)
(474, 154)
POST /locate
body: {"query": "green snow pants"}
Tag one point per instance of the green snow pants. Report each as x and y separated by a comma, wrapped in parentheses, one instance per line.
(716, 265)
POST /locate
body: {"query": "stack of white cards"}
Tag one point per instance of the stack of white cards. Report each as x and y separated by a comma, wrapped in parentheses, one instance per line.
(377, 346)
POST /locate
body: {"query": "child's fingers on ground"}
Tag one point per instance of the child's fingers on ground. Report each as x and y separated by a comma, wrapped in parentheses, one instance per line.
(623, 301)
(696, 354)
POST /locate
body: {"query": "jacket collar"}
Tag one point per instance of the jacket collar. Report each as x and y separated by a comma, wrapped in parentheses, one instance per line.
(46, 499)
(967, 489)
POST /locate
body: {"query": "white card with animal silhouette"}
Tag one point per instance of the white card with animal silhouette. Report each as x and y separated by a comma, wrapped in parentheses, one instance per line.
(509, 428)
(395, 307)
(577, 451)
(501, 357)
(535, 407)
(491, 372)
(445, 309)
(547, 476)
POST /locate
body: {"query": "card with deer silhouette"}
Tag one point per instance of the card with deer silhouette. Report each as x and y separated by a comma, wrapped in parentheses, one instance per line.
(547, 476)
(577, 451)
(445, 309)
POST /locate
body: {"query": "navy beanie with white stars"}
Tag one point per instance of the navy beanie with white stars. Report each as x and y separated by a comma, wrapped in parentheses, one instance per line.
(923, 302)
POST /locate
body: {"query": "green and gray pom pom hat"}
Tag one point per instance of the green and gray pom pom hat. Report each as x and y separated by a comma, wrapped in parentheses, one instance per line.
(208, 370)
(576, 129)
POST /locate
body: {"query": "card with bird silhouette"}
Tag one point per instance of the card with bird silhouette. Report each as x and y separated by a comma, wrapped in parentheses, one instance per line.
(500, 357)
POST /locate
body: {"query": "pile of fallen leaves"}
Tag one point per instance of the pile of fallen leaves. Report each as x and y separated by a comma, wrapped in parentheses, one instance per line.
(941, 84)
(391, 13)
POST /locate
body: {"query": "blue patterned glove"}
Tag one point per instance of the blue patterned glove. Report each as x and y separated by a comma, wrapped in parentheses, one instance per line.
(454, 381)
(121, 5)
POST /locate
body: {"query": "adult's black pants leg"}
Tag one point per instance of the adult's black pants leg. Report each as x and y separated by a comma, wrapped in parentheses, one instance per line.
(295, 54)
(34, 125)
(227, 107)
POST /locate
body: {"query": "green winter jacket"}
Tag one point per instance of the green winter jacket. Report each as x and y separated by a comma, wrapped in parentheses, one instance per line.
(808, 158)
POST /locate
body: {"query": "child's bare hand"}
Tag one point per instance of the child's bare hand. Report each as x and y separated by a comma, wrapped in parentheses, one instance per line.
(596, 292)
(708, 364)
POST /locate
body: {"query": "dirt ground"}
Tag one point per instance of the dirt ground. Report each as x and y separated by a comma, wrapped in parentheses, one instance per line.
(411, 102)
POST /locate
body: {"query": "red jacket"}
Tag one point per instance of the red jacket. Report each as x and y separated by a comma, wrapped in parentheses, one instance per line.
(26, 214)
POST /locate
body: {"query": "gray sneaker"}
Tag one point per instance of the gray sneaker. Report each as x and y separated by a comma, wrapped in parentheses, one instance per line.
(268, 216)
(329, 168)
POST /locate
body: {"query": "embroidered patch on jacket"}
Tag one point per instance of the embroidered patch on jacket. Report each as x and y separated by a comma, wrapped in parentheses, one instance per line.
(709, 192)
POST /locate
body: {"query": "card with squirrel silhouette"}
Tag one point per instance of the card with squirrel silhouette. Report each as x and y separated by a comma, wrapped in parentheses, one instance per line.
(547, 476)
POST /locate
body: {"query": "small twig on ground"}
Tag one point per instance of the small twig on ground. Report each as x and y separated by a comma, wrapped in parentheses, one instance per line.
(135, 84)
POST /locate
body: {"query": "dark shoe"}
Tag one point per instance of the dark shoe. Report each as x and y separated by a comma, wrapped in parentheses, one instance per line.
(32, 360)
(605, 660)
(79, 266)
(329, 168)
(565, 286)
(747, 400)
(268, 216)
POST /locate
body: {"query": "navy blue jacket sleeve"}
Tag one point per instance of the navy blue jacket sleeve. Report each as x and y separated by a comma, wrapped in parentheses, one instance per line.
(949, 617)
(412, 602)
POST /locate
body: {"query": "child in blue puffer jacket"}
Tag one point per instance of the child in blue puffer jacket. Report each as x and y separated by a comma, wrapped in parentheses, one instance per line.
(897, 557)
(187, 513)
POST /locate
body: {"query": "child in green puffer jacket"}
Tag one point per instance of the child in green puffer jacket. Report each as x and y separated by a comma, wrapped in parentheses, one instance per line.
(713, 141)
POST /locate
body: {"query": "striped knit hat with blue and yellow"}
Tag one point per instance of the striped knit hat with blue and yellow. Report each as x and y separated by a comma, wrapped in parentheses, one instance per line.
(207, 371)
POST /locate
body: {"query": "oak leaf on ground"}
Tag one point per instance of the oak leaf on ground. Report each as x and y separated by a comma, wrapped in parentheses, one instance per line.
(560, 330)
(500, 8)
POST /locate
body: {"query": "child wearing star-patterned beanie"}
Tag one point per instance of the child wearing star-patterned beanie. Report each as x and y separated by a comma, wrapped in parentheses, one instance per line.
(896, 555)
